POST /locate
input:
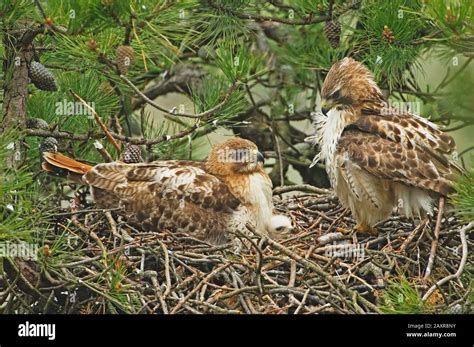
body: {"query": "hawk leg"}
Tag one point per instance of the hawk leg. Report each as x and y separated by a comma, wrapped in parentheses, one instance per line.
(343, 231)
(362, 228)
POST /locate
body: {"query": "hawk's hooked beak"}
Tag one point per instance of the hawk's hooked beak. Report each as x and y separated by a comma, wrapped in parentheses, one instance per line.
(260, 157)
(326, 105)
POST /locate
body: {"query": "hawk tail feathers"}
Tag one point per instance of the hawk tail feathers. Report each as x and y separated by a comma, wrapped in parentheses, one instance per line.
(60, 165)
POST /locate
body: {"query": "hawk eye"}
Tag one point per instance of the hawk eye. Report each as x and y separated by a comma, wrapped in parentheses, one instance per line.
(336, 95)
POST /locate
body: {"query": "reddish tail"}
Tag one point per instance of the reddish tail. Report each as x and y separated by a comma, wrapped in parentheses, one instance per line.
(61, 165)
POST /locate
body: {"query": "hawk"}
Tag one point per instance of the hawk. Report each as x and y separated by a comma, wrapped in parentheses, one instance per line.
(378, 158)
(205, 199)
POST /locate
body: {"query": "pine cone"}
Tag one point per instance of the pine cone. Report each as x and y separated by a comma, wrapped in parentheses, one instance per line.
(450, 17)
(49, 144)
(41, 77)
(37, 123)
(132, 154)
(124, 58)
(332, 30)
(92, 45)
(387, 34)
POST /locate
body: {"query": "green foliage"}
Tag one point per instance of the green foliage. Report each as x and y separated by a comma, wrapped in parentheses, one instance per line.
(19, 208)
(389, 59)
(463, 199)
(13, 11)
(210, 93)
(308, 49)
(402, 297)
(216, 26)
(238, 63)
(451, 17)
(59, 250)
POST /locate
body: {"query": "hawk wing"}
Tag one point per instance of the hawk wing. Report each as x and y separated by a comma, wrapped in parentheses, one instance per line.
(409, 130)
(177, 195)
(401, 159)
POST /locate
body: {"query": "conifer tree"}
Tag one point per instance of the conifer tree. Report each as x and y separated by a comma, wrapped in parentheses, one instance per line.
(88, 77)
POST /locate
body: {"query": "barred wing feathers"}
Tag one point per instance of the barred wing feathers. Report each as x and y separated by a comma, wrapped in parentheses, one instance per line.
(407, 129)
(175, 195)
(392, 160)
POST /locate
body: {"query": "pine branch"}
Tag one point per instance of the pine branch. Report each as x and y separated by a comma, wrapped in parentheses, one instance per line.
(98, 120)
(204, 114)
(261, 18)
(126, 139)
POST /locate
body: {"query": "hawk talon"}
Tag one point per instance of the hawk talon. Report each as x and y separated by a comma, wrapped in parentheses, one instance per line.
(344, 231)
(362, 228)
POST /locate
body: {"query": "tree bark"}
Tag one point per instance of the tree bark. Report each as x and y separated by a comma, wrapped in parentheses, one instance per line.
(18, 55)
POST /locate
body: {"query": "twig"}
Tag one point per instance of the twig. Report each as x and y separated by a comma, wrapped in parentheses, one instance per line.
(412, 235)
(99, 121)
(167, 269)
(259, 18)
(320, 272)
(192, 292)
(103, 152)
(434, 243)
(462, 264)
(300, 187)
(204, 114)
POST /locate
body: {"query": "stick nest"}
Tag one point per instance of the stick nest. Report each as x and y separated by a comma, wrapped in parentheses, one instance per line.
(93, 262)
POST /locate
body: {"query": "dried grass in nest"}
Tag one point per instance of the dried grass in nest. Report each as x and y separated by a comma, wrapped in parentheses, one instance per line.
(96, 263)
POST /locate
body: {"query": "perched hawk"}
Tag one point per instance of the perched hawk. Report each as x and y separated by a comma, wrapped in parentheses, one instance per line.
(205, 199)
(377, 157)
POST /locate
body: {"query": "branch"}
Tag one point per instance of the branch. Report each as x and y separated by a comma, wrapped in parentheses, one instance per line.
(465, 151)
(462, 234)
(131, 140)
(317, 269)
(48, 19)
(301, 187)
(98, 120)
(187, 115)
(434, 243)
(259, 18)
(178, 82)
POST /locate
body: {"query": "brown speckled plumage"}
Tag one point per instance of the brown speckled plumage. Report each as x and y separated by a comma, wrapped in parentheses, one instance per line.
(379, 158)
(205, 199)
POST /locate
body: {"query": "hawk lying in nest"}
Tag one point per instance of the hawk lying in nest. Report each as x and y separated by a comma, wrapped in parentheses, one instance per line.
(205, 199)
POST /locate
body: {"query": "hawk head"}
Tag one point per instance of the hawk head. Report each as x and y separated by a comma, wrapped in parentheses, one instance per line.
(348, 84)
(235, 156)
